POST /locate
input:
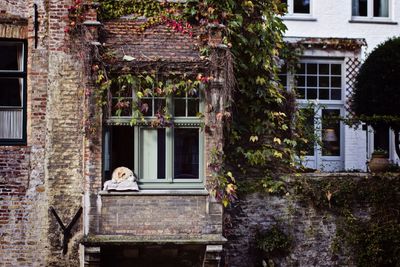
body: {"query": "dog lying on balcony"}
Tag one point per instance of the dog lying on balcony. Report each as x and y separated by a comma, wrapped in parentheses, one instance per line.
(123, 179)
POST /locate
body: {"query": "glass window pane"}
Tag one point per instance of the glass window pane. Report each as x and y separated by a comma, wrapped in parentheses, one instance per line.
(121, 107)
(336, 94)
(324, 94)
(11, 92)
(193, 107)
(120, 149)
(161, 153)
(159, 105)
(301, 6)
(301, 80)
(336, 82)
(11, 56)
(381, 138)
(186, 153)
(312, 93)
(180, 107)
(323, 68)
(311, 81)
(146, 106)
(309, 134)
(360, 8)
(301, 93)
(381, 8)
(311, 68)
(11, 122)
(117, 91)
(323, 81)
(330, 132)
(301, 69)
(336, 69)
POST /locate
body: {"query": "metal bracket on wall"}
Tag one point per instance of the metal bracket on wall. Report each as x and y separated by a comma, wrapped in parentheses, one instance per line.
(36, 24)
(66, 230)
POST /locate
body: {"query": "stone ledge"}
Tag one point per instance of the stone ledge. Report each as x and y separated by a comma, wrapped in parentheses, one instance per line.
(201, 192)
(98, 240)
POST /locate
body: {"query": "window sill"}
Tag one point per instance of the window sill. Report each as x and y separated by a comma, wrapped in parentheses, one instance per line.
(172, 192)
(373, 21)
(299, 18)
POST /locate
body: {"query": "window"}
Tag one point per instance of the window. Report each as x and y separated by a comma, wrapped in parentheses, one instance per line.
(12, 92)
(162, 155)
(371, 8)
(319, 87)
(301, 7)
(319, 80)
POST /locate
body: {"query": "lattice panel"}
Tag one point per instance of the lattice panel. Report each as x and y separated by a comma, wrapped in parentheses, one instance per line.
(352, 67)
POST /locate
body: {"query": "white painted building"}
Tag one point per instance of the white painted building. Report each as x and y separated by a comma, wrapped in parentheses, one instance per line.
(333, 33)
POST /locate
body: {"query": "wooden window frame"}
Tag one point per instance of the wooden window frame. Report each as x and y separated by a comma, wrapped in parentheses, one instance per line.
(192, 122)
(22, 74)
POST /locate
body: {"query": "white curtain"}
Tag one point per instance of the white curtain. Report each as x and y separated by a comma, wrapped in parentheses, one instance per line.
(383, 8)
(356, 7)
(11, 124)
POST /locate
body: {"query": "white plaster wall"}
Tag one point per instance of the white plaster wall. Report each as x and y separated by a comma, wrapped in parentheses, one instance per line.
(332, 20)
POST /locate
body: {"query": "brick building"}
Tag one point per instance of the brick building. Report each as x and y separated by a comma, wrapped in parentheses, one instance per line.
(57, 148)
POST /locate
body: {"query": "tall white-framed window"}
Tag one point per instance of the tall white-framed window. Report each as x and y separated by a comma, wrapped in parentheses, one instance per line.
(319, 86)
(13, 76)
(299, 7)
(371, 9)
(161, 154)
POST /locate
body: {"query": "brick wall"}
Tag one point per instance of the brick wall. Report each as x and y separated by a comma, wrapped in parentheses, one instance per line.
(169, 216)
(60, 167)
(111, 218)
(47, 172)
(312, 231)
(156, 43)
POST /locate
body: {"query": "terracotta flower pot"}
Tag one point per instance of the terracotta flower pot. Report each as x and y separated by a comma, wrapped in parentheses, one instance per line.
(378, 163)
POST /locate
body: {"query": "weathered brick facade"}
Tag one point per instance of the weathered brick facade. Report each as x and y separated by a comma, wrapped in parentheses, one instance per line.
(47, 171)
(60, 167)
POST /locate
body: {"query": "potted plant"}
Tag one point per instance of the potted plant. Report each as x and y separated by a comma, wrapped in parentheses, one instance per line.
(379, 161)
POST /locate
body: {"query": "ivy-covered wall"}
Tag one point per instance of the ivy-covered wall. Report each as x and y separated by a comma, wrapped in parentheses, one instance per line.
(318, 220)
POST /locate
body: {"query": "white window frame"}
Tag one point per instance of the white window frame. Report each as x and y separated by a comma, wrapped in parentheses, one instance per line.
(370, 12)
(292, 14)
(168, 182)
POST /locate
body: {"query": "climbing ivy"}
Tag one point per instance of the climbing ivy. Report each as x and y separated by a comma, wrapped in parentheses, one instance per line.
(262, 135)
(373, 239)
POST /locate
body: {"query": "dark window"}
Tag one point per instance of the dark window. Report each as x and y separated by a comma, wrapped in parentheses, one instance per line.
(301, 6)
(330, 132)
(186, 153)
(12, 92)
(161, 155)
(319, 81)
(360, 8)
(118, 148)
(381, 8)
(381, 138)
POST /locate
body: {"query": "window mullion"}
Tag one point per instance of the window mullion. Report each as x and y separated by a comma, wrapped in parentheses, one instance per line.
(290, 6)
(370, 8)
(169, 157)
(169, 153)
(136, 150)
